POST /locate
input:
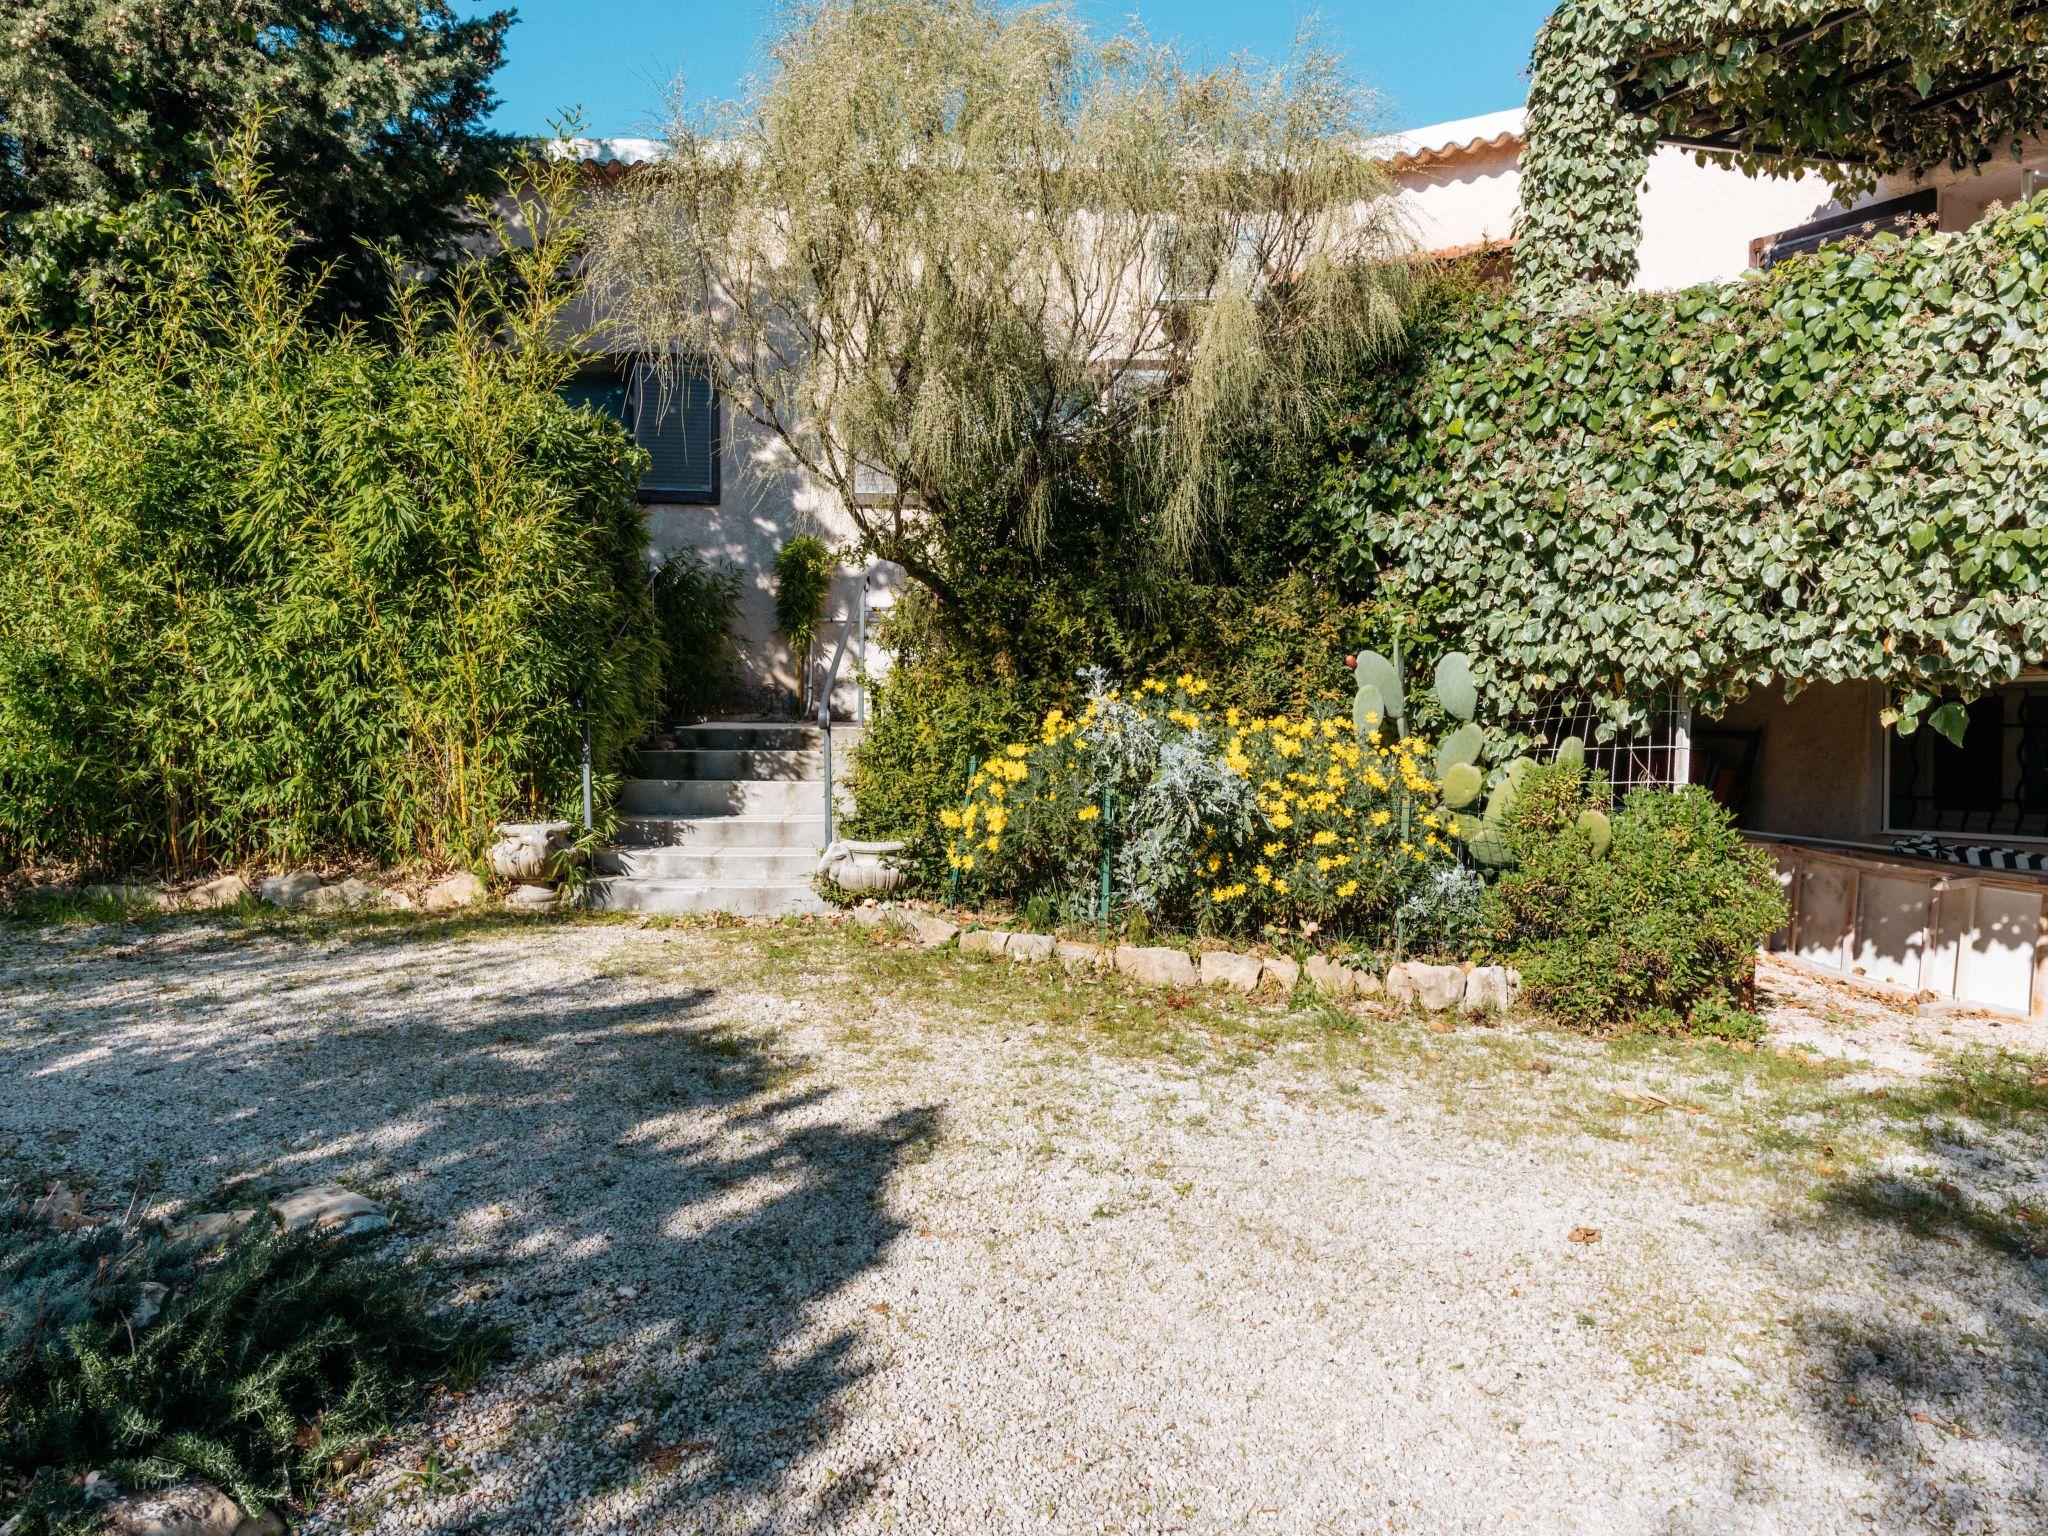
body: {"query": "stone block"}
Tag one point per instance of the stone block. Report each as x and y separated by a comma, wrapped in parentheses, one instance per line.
(1221, 968)
(288, 890)
(461, 889)
(1490, 989)
(1280, 972)
(1030, 948)
(1432, 988)
(330, 1210)
(227, 891)
(984, 941)
(933, 932)
(1156, 967)
(1330, 978)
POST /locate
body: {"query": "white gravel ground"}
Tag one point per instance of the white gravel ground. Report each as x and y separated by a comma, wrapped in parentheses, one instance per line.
(793, 1241)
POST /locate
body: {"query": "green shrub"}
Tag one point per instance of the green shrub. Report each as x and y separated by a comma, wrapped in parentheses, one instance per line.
(694, 606)
(928, 726)
(803, 580)
(265, 1369)
(269, 592)
(1667, 924)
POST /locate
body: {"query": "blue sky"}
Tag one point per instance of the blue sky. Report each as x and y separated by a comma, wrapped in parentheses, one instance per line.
(1429, 59)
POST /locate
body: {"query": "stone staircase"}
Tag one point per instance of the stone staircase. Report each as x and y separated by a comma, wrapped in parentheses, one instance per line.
(731, 820)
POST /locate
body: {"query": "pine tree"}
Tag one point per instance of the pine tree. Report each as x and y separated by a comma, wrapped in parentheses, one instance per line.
(111, 110)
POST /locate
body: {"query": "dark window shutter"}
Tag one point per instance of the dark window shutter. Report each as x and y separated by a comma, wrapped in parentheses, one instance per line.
(674, 419)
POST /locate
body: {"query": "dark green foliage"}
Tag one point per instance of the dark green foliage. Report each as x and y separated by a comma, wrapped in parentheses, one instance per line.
(694, 605)
(930, 719)
(265, 1368)
(268, 591)
(1665, 927)
(112, 112)
(803, 580)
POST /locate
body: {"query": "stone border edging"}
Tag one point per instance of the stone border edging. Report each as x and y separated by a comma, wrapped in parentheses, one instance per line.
(1412, 985)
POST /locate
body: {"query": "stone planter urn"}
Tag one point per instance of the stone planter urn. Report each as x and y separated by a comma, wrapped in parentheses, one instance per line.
(863, 868)
(525, 850)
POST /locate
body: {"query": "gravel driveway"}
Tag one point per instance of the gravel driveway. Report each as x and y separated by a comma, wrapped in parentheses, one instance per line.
(800, 1233)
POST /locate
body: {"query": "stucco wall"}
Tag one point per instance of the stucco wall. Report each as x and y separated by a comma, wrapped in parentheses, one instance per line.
(1698, 220)
(766, 501)
(1819, 770)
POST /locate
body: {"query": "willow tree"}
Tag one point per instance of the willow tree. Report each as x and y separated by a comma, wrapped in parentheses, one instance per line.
(949, 254)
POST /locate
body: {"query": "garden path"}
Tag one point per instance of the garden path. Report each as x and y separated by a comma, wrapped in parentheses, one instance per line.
(799, 1232)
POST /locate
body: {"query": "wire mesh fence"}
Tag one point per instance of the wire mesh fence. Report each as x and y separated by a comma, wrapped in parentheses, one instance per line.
(1660, 755)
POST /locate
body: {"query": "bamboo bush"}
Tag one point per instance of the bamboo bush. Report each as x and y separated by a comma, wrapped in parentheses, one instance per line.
(270, 591)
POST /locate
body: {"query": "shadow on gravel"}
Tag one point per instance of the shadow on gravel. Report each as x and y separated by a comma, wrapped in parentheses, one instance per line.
(655, 1203)
(1940, 1391)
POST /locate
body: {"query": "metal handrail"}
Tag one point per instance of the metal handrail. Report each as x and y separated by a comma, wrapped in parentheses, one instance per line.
(825, 720)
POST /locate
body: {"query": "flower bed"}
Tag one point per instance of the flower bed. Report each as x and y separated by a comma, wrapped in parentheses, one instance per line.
(1157, 801)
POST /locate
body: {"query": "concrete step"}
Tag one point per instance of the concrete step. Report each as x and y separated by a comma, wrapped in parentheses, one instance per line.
(804, 764)
(723, 866)
(742, 899)
(748, 736)
(721, 797)
(700, 833)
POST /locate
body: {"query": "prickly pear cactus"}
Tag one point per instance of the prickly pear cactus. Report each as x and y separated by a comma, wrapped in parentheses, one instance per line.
(1599, 831)
(1455, 689)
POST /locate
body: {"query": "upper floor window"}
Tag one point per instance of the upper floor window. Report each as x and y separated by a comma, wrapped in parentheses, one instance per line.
(675, 419)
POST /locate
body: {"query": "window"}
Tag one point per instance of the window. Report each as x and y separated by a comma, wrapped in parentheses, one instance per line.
(1895, 217)
(674, 419)
(1996, 782)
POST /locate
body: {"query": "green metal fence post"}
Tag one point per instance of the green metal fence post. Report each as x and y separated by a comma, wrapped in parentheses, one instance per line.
(1108, 821)
(1400, 926)
(953, 880)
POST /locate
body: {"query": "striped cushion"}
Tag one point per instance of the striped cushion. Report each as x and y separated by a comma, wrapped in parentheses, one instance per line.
(1976, 855)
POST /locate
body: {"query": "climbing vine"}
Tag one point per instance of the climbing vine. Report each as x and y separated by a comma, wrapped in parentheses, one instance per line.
(1858, 91)
(1832, 471)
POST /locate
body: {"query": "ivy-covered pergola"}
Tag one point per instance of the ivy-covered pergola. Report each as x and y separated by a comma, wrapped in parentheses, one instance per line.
(1828, 473)
(1859, 91)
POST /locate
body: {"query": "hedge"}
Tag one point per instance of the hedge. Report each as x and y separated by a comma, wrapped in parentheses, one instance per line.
(269, 592)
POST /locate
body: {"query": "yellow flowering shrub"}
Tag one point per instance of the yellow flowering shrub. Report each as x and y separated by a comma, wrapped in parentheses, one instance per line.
(1211, 817)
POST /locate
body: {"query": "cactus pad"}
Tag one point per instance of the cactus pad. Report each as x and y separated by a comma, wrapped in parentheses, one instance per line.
(1599, 831)
(1461, 746)
(1380, 674)
(1455, 689)
(1369, 711)
(1572, 751)
(1463, 784)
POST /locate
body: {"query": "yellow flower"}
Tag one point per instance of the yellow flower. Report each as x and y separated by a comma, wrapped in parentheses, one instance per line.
(1282, 820)
(950, 820)
(1280, 887)
(967, 862)
(992, 844)
(1271, 850)
(1015, 749)
(1262, 874)
(1088, 813)
(1348, 888)
(1381, 818)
